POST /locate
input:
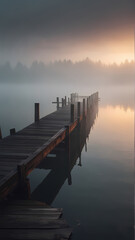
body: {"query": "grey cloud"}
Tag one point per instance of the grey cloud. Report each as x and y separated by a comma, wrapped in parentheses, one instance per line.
(48, 18)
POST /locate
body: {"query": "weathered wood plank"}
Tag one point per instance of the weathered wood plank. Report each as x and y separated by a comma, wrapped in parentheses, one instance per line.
(21, 221)
(35, 234)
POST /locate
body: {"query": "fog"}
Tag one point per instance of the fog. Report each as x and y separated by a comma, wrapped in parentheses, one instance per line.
(22, 86)
(69, 73)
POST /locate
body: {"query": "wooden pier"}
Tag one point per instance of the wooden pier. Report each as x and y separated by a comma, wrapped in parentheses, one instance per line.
(22, 151)
(32, 220)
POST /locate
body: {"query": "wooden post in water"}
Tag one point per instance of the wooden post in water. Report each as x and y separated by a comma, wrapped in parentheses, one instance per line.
(0, 133)
(57, 100)
(62, 102)
(72, 113)
(37, 115)
(78, 110)
(68, 100)
(12, 131)
(67, 146)
(83, 107)
(24, 185)
(87, 105)
(65, 100)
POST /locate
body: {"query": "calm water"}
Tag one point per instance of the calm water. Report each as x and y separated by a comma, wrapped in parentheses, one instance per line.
(97, 197)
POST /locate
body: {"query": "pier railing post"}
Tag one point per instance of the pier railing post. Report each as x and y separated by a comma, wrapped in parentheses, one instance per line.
(84, 107)
(87, 105)
(72, 113)
(78, 110)
(57, 100)
(0, 133)
(24, 185)
(37, 114)
(65, 100)
(62, 102)
(12, 131)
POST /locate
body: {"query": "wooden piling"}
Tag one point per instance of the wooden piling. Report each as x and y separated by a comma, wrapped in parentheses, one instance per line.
(37, 114)
(78, 110)
(65, 100)
(21, 173)
(72, 113)
(24, 184)
(57, 100)
(0, 134)
(83, 107)
(87, 105)
(62, 102)
(12, 131)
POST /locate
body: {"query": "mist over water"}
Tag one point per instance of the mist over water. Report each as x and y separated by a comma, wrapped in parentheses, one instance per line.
(21, 86)
(100, 199)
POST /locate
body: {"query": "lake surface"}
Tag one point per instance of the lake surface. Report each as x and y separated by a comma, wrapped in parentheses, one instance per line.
(97, 197)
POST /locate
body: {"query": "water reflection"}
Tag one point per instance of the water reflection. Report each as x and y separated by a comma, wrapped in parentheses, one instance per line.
(62, 160)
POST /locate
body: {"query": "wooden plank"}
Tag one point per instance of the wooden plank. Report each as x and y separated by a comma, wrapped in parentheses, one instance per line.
(6, 168)
(5, 163)
(30, 214)
(35, 234)
(42, 152)
(28, 203)
(13, 155)
(29, 211)
(21, 221)
(22, 137)
(10, 160)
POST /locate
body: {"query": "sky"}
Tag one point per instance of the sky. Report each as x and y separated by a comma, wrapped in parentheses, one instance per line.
(49, 30)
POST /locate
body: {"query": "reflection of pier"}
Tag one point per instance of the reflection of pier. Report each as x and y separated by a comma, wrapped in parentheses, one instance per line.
(63, 158)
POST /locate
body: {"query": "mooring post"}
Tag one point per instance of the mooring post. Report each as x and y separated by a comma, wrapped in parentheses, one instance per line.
(68, 100)
(37, 114)
(57, 100)
(62, 102)
(78, 110)
(72, 97)
(87, 105)
(65, 100)
(72, 113)
(24, 185)
(67, 146)
(12, 131)
(67, 139)
(83, 107)
(0, 133)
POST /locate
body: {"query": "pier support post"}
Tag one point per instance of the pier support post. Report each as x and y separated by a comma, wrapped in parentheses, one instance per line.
(72, 113)
(24, 185)
(65, 100)
(12, 131)
(0, 133)
(87, 105)
(62, 102)
(84, 107)
(37, 114)
(57, 100)
(67, 146)
(78, 110)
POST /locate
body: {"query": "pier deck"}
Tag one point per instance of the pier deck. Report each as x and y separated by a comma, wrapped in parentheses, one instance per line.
(32, 220)
(21, 152)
